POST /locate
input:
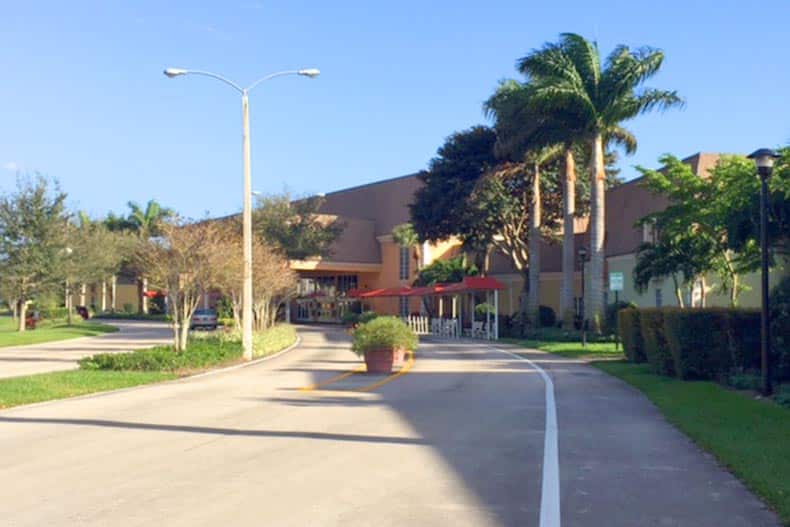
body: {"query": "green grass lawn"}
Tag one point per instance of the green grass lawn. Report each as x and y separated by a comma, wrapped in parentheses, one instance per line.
(49, 331)
(593, 350)
(58, 385)
(751, 437)
(104, 372)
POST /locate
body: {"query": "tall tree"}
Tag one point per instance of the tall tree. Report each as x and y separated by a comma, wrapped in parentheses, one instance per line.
(32, 241)
(145, 223)
(439, 208)
(187, 260)
(295, 227)
(405, 236)
(568, 78)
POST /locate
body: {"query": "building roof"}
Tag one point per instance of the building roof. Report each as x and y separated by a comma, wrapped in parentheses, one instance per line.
(385, 203)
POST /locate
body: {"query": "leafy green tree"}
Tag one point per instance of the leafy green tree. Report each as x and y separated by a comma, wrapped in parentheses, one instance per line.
(145, 223)
(568, 78)
(296, 227)
(447, 271)
(439, 208)
(405, 236)
(32, 241)
(693, 229)
(740, 188)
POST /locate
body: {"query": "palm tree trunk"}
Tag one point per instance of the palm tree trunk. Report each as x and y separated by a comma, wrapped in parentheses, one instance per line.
(533, 295)
(595, 307)
(568, 250)
(113, 292)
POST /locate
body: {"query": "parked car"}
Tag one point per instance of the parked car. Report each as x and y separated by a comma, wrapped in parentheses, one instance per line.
(204, 319)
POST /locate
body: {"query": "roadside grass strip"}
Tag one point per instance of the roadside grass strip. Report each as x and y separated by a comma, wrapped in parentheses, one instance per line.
(592, 351)
(750, 437)
(15, 391)
(49, 331)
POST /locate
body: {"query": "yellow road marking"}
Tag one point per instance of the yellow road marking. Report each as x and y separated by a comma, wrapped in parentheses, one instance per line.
(403, 371)
(330, 380)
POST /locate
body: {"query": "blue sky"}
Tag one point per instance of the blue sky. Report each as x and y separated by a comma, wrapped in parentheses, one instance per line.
(82, 97)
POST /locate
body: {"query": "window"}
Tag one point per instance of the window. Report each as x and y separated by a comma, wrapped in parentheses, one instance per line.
(404, 306)
(346, 282)
(404, 263)
(659, 297)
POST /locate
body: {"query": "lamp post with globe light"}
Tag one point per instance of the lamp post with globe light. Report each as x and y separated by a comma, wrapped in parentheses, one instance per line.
(764, 161)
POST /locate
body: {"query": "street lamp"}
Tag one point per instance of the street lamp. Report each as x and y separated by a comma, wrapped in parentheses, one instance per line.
(246, 303)
(764, 161)
(583, 257)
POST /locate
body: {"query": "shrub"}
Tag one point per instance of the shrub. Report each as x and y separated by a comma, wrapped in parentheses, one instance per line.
(546, 316)
(383, 332)
(780, 328)
(782, 396)
(482, 309)
(651, 322)
(611, 315)
(366, 317)
(631, 334)
(350, 318)
(697, 340)
(745, 381)
(128, 308)
(743, 335)
(201, 352)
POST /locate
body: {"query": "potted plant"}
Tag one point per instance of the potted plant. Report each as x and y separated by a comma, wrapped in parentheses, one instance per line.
(383, 342)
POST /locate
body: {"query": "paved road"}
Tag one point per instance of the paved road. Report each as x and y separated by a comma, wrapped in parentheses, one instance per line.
(457, 441)
(64, 354)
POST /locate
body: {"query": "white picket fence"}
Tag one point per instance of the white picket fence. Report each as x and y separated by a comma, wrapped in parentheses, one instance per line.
(442, 327)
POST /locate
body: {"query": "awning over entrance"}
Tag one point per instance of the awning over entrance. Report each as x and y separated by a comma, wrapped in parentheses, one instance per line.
(469, 284)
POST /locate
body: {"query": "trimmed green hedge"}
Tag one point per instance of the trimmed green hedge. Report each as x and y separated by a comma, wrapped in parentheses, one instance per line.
(631, 334)
(698, 342)
(651, 323)
(383, 333)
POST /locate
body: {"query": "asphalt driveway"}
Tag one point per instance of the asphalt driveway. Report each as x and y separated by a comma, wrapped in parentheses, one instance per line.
(458, 440)
(64, 354)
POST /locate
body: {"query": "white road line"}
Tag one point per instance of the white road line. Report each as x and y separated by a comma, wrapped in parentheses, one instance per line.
(550, 491)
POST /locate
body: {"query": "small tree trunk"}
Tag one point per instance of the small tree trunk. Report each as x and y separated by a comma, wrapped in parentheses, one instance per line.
(14, 309)
(83, 292)
(567, 291)
(69, 302)
(144, 298)
(734, 291)
(22, 309)
(597, 232)
(533, 295)
(104, 295)
(113, 292)
(678, 292)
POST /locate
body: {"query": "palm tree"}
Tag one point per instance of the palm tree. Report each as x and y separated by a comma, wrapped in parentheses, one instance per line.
(146, 223)
(567, 78)
(524, 131)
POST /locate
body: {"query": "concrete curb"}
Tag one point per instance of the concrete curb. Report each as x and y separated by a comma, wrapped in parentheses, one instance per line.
(151, 385)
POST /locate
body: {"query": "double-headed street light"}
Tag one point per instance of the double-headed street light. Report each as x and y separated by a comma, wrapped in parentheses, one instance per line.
(764, 160)
(246, 304)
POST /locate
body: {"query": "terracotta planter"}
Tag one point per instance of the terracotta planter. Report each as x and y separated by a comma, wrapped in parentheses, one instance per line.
(380, 360)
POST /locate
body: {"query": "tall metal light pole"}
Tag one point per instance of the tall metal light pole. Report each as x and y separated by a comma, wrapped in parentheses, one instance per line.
(764, 160)
(582, 260)
(246, 302)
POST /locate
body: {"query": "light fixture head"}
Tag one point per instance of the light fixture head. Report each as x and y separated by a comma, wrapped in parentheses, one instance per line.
(310, 72)
(174, 72)
(764, 161)
(582, 253)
